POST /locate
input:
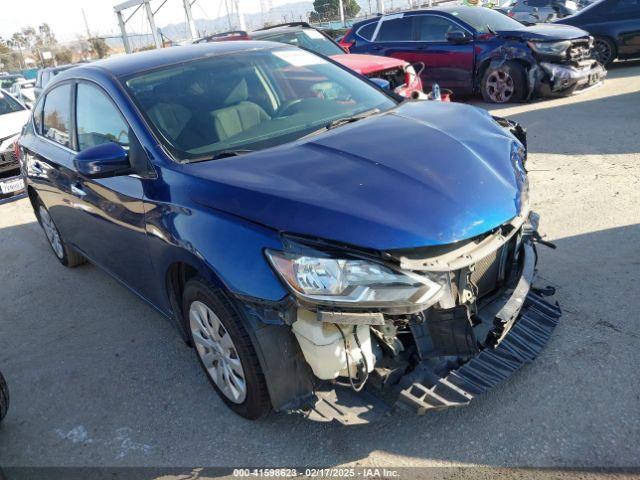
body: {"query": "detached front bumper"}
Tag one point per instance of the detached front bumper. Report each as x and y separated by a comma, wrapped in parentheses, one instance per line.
(526, 319)
(567, 79)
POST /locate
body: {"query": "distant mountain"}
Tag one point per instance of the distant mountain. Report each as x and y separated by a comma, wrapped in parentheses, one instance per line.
(290, 12)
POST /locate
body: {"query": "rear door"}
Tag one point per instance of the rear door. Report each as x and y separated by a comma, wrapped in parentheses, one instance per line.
(49, 158)
(626, 17)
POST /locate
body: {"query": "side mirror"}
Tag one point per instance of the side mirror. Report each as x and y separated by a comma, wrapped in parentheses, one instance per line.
(457, 37)
(104, 160)
(382, 83)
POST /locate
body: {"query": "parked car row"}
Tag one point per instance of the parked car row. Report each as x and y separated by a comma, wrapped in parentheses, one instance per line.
(310, 234)
(615, 24)
(13, 115)
(478, 50)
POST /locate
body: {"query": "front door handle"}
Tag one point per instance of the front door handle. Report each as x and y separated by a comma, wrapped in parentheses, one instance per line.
(77, 190)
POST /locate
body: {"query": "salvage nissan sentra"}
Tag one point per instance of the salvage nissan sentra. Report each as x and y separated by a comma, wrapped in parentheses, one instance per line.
(327, 248)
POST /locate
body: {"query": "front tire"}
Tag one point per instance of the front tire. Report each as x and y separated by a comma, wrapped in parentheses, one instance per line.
(604, 51)
(67, 255)
(504, 84)
(225, 350)
(4, 397)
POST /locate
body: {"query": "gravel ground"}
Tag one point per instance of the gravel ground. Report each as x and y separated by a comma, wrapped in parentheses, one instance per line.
(99, 378)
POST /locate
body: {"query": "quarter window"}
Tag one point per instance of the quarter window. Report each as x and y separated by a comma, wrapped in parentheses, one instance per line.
(57, 118)
(395, 30)
(367, 30)
(97, 119)
(434, 29)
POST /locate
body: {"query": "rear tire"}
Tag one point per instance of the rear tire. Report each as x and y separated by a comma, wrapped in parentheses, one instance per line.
(221, 340)
(65, 254)
(504, 84)
(4, 397)
(604, 51)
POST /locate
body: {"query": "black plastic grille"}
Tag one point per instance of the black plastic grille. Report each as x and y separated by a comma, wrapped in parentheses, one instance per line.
(8, 160)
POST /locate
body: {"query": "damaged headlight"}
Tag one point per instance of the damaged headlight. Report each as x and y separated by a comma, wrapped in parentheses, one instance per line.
(359, 283)
(550, 48)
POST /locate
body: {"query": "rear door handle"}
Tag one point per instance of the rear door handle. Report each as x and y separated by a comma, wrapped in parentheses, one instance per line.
(77, 190)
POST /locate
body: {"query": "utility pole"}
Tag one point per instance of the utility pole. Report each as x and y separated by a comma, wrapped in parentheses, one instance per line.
(123, 31)
(241, 23)
(191, 25)
(154, 31)
(86, 24)
(341, 7)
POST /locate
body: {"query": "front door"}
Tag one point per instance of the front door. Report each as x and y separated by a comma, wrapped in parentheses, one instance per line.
(112, 231)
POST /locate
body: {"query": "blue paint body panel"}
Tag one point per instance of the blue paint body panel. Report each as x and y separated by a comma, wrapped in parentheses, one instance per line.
(421, 174)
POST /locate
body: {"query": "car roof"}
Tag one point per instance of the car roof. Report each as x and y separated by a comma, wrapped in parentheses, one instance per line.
(448, 9)
(131, 64)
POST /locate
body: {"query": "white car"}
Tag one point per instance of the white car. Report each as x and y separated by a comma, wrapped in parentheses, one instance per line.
(24, 90)
(13, 115)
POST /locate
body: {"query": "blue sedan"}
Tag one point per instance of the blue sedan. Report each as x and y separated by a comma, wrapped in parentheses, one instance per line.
(325, 247)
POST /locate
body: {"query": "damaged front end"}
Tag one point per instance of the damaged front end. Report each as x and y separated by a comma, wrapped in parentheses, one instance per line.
(565, 67)
(418, 329)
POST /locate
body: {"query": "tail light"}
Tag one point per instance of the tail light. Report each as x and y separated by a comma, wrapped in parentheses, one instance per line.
(347, 44)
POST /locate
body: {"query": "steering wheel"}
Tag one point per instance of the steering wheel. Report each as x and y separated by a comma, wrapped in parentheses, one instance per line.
(282, 110)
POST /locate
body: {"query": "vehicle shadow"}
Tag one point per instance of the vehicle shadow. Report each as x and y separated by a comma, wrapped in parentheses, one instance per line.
(99, 378)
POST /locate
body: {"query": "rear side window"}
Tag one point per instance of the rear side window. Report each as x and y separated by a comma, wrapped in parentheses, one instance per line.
(434, 29)
(395, 30)
(367, 30)
(97, 118)
(57, 115)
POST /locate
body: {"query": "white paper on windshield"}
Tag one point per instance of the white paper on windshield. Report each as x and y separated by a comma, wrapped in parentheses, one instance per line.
(299, 58)
(313, 34)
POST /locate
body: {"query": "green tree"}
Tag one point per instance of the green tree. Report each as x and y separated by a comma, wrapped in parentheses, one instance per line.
(99, 46)
(64, 55)
(325, 10)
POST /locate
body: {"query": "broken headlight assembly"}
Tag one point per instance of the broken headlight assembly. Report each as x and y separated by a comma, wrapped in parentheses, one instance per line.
(354, 283)
(550, 48)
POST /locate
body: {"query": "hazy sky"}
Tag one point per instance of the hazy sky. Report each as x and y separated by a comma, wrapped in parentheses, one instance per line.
(65, 16)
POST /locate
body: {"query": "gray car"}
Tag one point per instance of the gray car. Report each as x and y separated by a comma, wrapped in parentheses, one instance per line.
(539, 11)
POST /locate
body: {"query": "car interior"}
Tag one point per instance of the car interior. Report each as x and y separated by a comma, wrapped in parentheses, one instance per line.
(198, 109)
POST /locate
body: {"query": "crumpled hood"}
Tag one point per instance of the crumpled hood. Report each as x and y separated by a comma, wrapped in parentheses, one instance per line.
(425, 173)
(367, 64)
(545, 32)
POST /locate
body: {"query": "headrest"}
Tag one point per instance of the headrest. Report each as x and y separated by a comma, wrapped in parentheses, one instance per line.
(238, 94)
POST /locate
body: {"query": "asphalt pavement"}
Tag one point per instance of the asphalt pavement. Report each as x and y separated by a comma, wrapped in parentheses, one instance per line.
(98, 378)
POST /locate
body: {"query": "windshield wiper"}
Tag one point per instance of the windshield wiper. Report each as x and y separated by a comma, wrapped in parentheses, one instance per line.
(342, 121)
(490, 30)
(221, 154)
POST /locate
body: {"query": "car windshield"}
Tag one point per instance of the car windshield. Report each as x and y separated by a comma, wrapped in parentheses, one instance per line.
(485, 20)
(8, 104)
(307, 38)
(248, 100)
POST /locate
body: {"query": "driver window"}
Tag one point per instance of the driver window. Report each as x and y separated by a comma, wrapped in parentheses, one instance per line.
(434, 29)
(97, 119)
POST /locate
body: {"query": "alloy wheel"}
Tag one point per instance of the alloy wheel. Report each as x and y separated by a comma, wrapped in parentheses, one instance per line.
(217, 352)
(602, 51)
(51, 232)
(500, 86)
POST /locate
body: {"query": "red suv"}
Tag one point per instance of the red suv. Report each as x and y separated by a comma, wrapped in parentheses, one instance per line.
(402, 76)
